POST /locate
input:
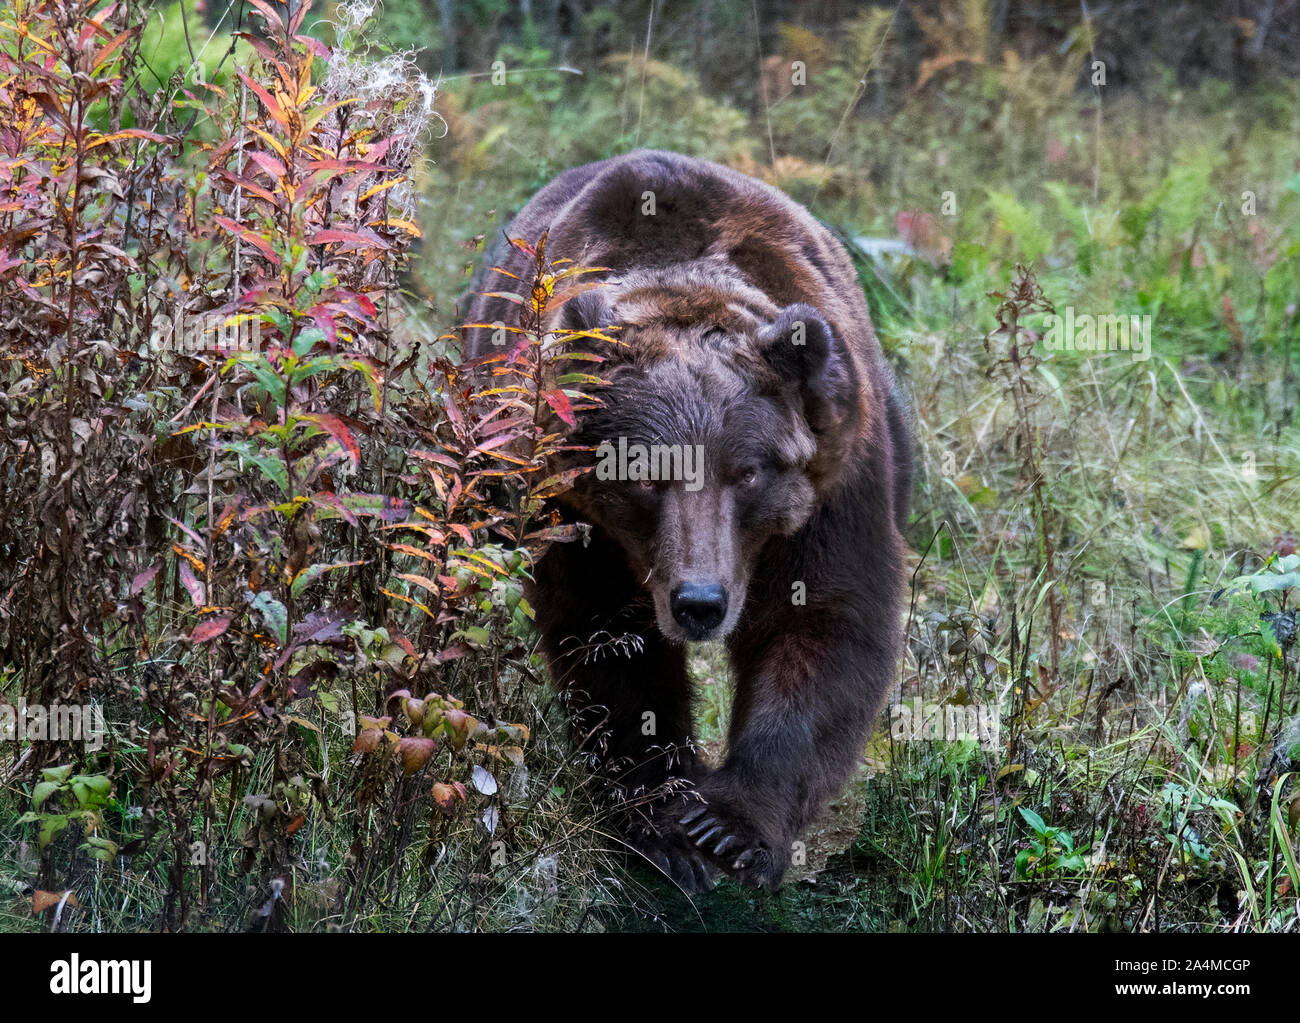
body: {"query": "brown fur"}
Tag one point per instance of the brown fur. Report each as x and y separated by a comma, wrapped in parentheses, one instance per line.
(805, 480)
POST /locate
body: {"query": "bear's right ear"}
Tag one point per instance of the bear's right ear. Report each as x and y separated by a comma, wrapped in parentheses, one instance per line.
(588, 310)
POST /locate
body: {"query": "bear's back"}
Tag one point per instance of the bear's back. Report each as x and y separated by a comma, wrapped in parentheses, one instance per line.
(651, 208)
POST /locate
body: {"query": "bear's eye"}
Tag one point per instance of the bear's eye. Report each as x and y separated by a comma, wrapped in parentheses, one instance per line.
(748, 477)
(646, 484)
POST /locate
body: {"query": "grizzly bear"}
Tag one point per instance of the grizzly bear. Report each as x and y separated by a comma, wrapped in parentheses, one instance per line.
(757, 476)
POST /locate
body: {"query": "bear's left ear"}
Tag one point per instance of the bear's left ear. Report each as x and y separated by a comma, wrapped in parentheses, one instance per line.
(803, 350)
(588, 310)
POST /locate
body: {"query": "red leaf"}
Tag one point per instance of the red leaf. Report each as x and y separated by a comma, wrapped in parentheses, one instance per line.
(495, 442)
(267, 53)
(315, 45)
(325, 322)
(331, 234)
(271, 164)
(272, 19)
(559, 402)
(268, 101)
(192, 584)
(339, 431)
(434, 456)
(210, 629)
(144, 578)
(252, 237)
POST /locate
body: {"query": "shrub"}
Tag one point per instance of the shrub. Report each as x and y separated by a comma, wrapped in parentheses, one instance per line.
(247, 521)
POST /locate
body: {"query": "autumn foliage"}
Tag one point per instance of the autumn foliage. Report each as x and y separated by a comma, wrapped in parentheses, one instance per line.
(245, 514)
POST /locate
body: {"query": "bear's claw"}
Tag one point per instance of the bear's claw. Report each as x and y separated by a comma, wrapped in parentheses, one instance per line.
(684, 865)
(750, 858)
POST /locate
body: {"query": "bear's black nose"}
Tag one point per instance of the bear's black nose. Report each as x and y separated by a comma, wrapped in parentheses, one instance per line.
(699, 607)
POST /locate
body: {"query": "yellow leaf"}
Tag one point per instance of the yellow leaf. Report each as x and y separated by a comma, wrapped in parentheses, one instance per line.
(404, 225)
(379, 188)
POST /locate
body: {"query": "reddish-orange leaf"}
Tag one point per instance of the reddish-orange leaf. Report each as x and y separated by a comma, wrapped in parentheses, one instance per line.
(41, 901)
(446, 795)
(336, 428)
(108, 48)
(272, 107)
(252, 237)
(406, 548)
(559, 401)
(209, 630)
(415, 752)
(130, 133)
(366, 741)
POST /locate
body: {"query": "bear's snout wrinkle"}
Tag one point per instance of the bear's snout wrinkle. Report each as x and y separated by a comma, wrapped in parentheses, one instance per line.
(699, 608)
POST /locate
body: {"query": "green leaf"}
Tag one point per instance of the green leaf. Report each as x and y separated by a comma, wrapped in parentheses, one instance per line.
(306, 339)
(1033, 820)
(280, 320)
(1268, 583)
(389, 509)
(270, 465)
(1073, 864)
(91, 789)
(99, 848)
(1283, 835)
(314, 367)
(274, 614)
(266, 375)
(313, 572)
(51, 828)
(42, 792)
(476, 635)
(1085, 247)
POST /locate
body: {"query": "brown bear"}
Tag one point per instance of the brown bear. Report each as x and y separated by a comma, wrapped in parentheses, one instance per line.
(752, 474)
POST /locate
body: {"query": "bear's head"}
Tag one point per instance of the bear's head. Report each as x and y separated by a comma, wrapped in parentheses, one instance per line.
(720, 428)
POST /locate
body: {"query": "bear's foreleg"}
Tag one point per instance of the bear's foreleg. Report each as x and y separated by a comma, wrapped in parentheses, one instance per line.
(628, 695)
(805, 703)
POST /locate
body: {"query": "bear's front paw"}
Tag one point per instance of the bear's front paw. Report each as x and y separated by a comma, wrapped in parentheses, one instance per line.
(734, 843)
(681, 862)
